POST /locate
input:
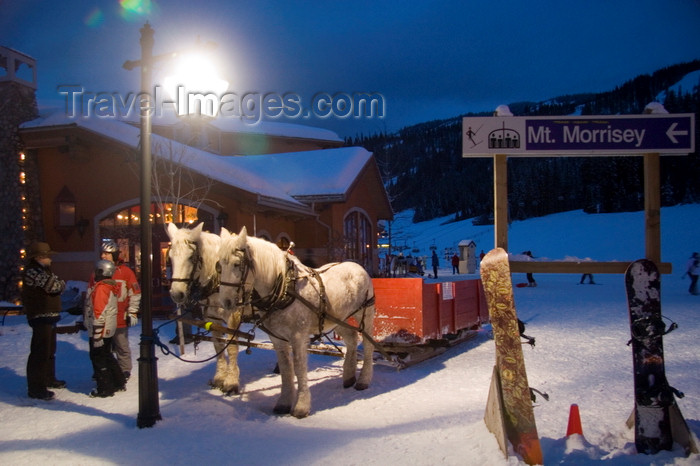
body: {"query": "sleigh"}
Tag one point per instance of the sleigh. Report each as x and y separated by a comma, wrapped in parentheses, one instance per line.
(414, 321)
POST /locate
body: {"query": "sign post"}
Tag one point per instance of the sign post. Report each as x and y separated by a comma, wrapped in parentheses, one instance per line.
(650, 135)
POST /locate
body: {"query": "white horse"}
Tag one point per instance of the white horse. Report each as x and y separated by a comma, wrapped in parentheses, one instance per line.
(195, 281)
(292, 302)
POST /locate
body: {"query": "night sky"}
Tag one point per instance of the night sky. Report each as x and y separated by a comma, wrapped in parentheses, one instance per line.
(427, 60)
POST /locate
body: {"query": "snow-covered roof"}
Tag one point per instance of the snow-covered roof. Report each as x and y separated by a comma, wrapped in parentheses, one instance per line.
(290, 130)
(167, 117)
(328, 172)
(273, 177)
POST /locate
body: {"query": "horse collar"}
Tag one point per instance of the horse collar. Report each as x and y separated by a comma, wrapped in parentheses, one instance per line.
(281, 296)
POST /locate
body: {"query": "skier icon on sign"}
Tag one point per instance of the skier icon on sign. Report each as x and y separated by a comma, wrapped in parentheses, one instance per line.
(470, 133)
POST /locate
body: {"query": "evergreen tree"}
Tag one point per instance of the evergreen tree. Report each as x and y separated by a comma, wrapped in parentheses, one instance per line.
(423, 169)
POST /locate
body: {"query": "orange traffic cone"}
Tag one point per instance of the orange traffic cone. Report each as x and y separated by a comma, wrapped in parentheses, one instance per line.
(574, 422)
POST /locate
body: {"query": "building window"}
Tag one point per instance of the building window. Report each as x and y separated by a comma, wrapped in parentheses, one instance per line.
(358, 238)
(169, 213)
(65, 209)
(123, 226)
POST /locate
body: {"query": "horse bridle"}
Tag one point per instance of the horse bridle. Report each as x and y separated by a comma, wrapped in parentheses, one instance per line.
(193, 289)
(245, 264)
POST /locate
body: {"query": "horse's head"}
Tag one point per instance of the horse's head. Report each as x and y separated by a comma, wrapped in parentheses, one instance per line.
(184, 256)
(234, 266)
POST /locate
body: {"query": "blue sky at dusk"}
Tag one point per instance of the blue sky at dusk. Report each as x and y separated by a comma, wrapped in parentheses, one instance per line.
(428, 60)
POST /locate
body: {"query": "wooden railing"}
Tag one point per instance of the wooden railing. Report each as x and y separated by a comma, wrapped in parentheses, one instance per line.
(578, 267)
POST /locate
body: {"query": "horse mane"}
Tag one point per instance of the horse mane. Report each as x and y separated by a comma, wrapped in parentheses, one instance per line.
(209, 249)
(267, 257)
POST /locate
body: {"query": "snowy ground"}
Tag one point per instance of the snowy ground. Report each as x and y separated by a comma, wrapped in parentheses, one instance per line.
(428, 414)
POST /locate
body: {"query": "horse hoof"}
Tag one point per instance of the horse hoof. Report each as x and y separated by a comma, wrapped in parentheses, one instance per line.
(235, 390)
(300, 414)
(213, 384)
(282, 409)
(361, 386)
(349, 383)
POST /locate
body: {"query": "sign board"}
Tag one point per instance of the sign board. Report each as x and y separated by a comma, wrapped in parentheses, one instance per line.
(578, 135)
(447, 291)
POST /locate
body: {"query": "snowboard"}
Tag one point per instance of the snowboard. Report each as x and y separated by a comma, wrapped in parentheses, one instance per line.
(657, 418)
(515, 397)
(653, 396)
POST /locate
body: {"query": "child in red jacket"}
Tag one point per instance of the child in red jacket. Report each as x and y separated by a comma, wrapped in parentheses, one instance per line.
(101, 322)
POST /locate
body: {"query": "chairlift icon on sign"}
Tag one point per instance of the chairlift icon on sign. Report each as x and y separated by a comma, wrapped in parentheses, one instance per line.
(504, 138)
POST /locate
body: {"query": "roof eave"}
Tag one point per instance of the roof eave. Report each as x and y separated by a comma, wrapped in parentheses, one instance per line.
(321, 198)
(281, 204)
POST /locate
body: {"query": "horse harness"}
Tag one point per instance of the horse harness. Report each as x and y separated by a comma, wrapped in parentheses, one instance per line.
(284, 293)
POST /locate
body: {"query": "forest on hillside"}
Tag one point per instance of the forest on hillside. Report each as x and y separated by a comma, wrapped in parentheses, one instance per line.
(423, 169)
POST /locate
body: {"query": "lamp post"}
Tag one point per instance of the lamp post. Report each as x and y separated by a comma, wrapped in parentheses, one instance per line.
(149, 410)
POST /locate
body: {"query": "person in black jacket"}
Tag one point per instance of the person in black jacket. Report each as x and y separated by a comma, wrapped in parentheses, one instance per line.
(41, 298)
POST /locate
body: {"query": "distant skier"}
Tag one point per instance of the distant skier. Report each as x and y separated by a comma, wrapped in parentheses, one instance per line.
(435, 262)
(693, 271)
(455, 264)
(530, 279)
(590, 278)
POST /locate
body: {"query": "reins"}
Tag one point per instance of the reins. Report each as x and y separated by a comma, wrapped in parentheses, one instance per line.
(166, 350)
(198, 297)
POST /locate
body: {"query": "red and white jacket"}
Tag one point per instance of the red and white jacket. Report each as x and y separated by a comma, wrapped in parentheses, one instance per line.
(129, 295)
(101, 309)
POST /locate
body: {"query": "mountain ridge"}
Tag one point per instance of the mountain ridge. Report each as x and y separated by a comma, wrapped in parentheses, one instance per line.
(423, 169)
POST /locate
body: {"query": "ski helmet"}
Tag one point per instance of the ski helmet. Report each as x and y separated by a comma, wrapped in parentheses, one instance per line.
(104, 269)
(109, 246)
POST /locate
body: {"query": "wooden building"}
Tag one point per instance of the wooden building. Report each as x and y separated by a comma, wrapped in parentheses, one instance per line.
(285, 183)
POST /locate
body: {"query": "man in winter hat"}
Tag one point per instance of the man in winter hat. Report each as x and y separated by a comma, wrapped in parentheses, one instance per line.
(41, 299)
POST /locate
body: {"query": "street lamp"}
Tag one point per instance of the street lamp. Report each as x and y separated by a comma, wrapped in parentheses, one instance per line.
(149, 411)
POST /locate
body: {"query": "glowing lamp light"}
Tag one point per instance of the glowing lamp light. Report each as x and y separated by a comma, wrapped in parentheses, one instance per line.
(195, 86)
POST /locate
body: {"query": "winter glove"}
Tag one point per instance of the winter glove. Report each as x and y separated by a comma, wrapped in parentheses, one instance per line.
(132, 320)
(98, 343)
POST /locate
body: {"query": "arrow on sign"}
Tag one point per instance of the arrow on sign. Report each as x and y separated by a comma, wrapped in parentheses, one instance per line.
(672, 133)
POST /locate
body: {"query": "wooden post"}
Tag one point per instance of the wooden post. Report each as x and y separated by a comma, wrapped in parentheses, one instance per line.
(500, 201)
(652, 207)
